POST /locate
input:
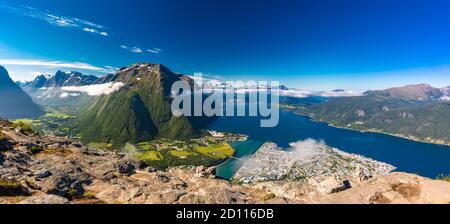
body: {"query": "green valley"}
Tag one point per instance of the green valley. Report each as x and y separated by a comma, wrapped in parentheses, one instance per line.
(165, 153)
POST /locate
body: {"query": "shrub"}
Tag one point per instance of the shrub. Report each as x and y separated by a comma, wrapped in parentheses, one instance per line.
(72, 193)
(2, 137)
(89, 194)
(26, 128)
(35, 149)
(11, 188)
(269, 196)
(237, 182)
(444, 177)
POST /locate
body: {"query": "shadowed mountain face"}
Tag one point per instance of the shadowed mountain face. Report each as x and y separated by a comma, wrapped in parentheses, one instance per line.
(15, 103)
(47, 90)
(64, 79)
(139, 111)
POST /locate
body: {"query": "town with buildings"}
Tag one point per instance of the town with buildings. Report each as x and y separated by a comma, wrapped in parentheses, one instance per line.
(272, 163)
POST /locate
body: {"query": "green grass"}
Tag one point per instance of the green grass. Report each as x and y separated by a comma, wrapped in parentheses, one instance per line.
(129, 148)
(104, 146)
(89, 194)
(269, 196)
(180, 154)
(58, 114)
(35, 150)
(72, 193)
(150, 156)
(10, 188)
(221, 151)
(146, 146)
(26, 121)
(25, 127)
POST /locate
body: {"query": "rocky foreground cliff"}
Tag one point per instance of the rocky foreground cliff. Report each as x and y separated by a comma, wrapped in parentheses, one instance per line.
(46, 169)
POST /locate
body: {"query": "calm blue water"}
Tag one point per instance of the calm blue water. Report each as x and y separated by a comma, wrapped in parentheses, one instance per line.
(414, 157)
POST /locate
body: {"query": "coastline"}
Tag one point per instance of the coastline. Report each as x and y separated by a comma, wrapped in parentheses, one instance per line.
(411, 138)
(275, 164)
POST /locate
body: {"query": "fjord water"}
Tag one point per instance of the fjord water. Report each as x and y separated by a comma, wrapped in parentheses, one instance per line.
(427, 160)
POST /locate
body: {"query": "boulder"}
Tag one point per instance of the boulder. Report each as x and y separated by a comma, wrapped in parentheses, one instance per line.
(41, 174)
(45, 199)
(19, 129)
(202, 172)
(331, 185)
(5, 144)
(61, 184)
(12, 188)
(150, 169)
(126, 168)
(162, 177)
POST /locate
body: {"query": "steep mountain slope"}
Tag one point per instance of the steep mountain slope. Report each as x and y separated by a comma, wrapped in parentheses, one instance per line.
(15, 103)
(139, 111)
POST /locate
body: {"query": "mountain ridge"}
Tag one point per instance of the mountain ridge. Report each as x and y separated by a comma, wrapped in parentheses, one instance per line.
(422, 115)
(66, 79)
(143, 103)
(421, 92)
(14, 102)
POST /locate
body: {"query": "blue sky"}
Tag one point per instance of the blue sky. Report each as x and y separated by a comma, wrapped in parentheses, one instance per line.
(317, 45)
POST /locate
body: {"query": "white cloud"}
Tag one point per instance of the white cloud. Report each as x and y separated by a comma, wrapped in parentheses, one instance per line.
(132, 49)
(92, 30)
(57, 20)
(65, 95)
(154, 50)
(112, 68)
(35, 73)
(136, 50)
(298, 93)
(87, 23)
(57, 64)
(211, 83)
(302, 150)
(139, 50)
(96, 90)
(298, 151)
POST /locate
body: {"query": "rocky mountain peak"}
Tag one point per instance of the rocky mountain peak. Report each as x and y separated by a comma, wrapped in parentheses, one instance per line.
(148, 75)
(2, 70)
(39, 81)
(4, 77)
(446, 90)
(63, 79)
